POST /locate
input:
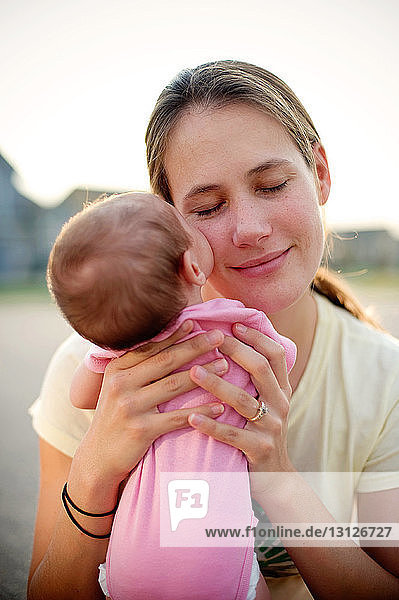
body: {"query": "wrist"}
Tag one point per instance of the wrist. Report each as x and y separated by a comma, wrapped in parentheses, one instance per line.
(274, 487)
(91, 490)
(92, 496)
(71, 507)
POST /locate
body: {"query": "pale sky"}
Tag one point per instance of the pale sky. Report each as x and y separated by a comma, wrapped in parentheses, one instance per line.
(79, 79)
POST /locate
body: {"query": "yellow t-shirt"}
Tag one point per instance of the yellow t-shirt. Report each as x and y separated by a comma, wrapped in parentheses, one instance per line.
(344, 417)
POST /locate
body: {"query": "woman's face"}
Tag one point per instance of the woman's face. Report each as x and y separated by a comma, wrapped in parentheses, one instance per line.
(236, 175)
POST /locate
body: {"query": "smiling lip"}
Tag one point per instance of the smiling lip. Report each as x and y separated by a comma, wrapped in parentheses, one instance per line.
(263, 259)
(264, 265)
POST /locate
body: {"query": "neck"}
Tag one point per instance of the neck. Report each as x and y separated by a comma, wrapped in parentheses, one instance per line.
(298, 322)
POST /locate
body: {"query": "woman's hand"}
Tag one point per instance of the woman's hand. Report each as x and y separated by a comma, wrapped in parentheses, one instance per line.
(127, 420)
(264, 442)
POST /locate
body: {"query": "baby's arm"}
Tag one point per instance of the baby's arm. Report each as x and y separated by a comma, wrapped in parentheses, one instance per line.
(85, 387)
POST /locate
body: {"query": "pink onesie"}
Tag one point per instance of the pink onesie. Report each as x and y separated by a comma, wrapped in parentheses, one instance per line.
(139, 564)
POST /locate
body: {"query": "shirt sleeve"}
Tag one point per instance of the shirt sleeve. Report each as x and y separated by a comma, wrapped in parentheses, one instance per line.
(381, 471)
(54, 418)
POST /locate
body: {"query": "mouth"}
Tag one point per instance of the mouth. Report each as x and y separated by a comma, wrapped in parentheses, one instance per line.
(263, 265)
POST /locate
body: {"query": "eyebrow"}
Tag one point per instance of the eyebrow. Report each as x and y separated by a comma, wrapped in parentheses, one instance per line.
(270, 164)
(266, 166)
(200, 189)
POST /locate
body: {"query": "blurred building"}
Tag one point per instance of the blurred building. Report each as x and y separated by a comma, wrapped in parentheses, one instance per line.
(364, 249)
(27, 231)
(19, 228)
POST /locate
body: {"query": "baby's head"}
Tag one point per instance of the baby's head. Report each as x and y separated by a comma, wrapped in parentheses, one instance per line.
(124, 267)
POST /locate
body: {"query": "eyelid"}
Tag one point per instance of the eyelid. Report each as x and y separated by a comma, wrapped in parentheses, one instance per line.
(205, 212)
(273, 188)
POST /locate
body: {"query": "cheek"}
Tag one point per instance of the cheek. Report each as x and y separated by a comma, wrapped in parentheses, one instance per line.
(302, 218)
(311, 239)
(312, 224)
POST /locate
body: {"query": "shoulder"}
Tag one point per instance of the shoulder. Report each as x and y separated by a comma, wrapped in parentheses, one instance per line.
(71, 352)
(361, 351)
(53, 416)
(352, 331)
(63, 364)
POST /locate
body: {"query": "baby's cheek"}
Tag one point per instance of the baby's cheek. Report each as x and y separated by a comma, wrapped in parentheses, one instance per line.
(217, 237)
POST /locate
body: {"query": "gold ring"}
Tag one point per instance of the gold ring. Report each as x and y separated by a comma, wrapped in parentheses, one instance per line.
(261, 412)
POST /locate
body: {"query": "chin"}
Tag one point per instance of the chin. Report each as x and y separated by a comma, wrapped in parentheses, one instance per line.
(270, 297)
(271, 305)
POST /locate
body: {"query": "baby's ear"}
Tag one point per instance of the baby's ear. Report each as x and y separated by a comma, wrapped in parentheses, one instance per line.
(191, 271)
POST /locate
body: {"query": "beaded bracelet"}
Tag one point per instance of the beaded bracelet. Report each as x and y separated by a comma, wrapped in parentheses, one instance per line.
(66, 498)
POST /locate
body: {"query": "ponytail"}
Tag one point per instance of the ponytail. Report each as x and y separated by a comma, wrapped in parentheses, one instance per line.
(332, 287)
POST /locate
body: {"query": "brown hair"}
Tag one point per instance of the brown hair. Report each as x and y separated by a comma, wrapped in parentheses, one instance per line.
(227, 82)
(114, 269)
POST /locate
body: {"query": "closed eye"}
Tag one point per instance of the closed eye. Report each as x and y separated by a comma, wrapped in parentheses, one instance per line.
(271, 190)
(209, 211)
(264, 190)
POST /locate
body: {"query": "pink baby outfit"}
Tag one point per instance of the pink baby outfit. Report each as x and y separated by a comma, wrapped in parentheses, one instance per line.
(137, 565)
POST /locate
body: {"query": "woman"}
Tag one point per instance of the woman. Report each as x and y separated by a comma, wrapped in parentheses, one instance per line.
(231, 146)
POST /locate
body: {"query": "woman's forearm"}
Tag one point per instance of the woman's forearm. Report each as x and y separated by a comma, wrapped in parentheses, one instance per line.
(73, 574)
(343, 572)
(330, 572)
(69, 567)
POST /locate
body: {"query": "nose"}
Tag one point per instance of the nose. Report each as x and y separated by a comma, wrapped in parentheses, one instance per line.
(251, 225)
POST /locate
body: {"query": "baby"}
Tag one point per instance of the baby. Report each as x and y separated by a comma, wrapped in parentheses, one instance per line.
(125, 270)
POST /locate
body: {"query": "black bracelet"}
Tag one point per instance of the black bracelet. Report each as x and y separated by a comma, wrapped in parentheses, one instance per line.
(78, 525)
(84, 512)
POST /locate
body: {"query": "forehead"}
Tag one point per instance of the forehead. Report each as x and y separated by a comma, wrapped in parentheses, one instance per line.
(206, 143)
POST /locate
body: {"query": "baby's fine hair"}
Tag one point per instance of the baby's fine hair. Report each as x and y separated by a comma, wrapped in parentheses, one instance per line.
(114, 269)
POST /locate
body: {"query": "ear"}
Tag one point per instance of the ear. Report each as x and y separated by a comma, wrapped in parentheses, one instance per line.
(323, 172)
(191, 271)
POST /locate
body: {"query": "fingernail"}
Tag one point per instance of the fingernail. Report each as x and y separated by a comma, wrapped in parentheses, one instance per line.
(220, 365)
(199, 372)
(240, 328)
(196, 419)
(214, 337)
(217, 409)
